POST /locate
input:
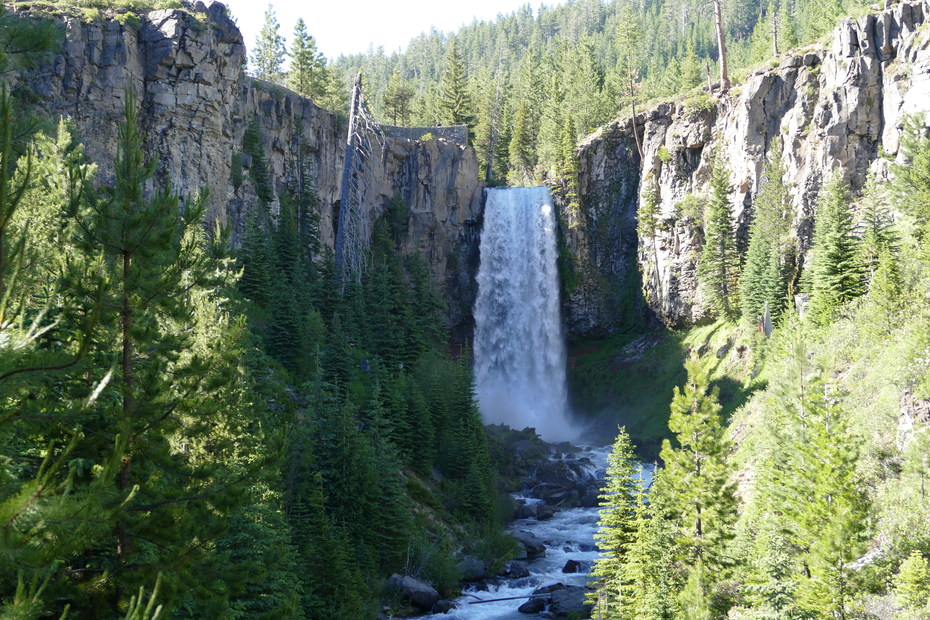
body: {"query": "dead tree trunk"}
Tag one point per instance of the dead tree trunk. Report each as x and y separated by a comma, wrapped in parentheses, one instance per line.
(639, 147)
(721, 46)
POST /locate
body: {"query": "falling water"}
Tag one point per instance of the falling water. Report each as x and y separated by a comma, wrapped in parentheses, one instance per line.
(519, 348)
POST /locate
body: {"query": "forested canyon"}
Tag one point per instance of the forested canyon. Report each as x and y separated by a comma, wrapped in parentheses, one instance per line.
(582, 322)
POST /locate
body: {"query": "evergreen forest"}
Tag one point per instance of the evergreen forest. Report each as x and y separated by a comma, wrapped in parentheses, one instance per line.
(196, 428)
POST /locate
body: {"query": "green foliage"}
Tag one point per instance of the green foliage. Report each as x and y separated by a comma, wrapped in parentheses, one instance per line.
(719, 265)
(253, 146)
(619, 500)
(455, 107)
(647, 216)
(814, 481)
(691, 209)
(697, 477)
(268, 53)
(912, 583)
(835, 273)
(569, 169)
(911, 186)
(663, 154)
(764, 281)
(397, 99)
(522, 155)
(307, 64)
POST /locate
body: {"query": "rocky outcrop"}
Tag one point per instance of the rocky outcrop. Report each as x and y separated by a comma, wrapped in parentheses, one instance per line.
(187, 68)
(533, 546)
(419, 593)
(560, 601)
(836, 111)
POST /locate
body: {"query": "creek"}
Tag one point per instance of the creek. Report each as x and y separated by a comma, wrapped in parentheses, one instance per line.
(567, 535)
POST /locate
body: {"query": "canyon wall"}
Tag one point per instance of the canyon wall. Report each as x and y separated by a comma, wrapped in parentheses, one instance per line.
(836, 111)
(187, 68)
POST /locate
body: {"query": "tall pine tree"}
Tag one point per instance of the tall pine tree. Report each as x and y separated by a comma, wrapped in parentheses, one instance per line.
(719, 264)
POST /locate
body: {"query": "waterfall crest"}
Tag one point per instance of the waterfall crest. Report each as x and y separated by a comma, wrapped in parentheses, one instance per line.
(519, 346)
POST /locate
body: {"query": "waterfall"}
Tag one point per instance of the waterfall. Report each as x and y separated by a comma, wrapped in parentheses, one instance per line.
(519, 347)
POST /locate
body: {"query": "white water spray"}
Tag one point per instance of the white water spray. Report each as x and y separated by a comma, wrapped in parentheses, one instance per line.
(519, 347)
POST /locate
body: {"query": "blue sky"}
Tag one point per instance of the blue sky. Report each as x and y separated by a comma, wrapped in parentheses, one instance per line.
(350, 26)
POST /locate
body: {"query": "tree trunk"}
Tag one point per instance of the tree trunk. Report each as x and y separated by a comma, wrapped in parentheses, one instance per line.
(775, 31)
(639, 147)
(721, 46)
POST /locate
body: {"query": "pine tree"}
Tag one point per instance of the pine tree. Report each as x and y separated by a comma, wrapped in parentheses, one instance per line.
(835, 273)
(616, 527)
(763, 279)
(651, 565)
(174, 356)
(697, 477)
(812, 477)
(307, 64)
(521, 148)
(719, 265)
(397, 98)
(878, 235)
(455, 101)
(268, 56)
(912, 583)
(52, 508)
(570, 170)
(911, 185)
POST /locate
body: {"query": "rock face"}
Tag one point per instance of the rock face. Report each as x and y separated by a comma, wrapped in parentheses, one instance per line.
(186, 67)
(834, 110)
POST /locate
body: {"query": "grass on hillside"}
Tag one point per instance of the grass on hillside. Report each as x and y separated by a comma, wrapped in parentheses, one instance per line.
(628, 378)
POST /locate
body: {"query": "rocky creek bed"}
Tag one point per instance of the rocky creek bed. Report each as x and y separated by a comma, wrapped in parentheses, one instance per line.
(557, 519)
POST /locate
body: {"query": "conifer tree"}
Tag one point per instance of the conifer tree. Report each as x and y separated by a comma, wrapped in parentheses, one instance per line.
(521, 148)
(307, 64)
(719, 264)
(397, 98)
(268, 56)
(570, 171)
(173, 355)
(813, 479)
(696, 476)
(911, 184)
(651, 566)
(877, 234)
(912, 583)
(835, 273)
(616, 524)
(763, 279)
(455, 101)
(52, 509)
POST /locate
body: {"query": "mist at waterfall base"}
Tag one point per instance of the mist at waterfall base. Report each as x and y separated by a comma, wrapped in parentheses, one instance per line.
(519, 346)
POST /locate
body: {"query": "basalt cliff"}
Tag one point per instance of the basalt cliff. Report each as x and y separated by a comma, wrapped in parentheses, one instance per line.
(835, 110)
(187, 68)
(832, 110)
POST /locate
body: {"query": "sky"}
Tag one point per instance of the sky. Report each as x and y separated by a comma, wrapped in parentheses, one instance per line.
(350, 26)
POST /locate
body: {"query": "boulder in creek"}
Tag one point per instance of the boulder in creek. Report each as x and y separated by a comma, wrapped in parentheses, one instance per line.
(515, 570)
(420, 594)
(442, 607)
(533, 545)
(544, 512)
(532, 606)
(526, 510)
(569, 602)
(472, 569)
(537, 603)
(574, 566)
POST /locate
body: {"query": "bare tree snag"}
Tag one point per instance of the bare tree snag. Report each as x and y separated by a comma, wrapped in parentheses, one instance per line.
(721, 46)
